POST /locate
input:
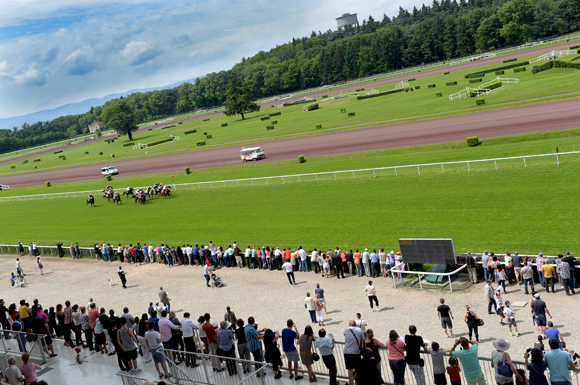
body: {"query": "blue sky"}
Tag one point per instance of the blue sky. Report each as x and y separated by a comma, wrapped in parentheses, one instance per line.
(59, 51)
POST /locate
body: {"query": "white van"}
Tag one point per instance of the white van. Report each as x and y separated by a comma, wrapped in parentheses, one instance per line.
(109, 170)
(252, 153)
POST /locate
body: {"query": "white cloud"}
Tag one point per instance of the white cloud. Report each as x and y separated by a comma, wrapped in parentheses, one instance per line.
(31, 76)
(139, 52)
(80, 62)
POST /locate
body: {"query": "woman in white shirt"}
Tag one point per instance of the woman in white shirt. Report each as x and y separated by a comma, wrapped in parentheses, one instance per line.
(372, 295)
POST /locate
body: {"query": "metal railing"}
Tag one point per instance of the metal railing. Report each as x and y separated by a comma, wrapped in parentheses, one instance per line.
(482, 89)
(128, 379)
(553, 55)
(299, 177)
(21, 342)
(421, 274)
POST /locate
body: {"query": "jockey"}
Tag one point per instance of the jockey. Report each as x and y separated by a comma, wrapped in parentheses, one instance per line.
(90, 195)
(116, 194)
(129, 189)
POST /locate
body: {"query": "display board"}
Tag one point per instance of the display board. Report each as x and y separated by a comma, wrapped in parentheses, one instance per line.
(427, 250)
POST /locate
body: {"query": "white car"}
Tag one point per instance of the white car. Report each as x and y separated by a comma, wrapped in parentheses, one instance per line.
(109, 170)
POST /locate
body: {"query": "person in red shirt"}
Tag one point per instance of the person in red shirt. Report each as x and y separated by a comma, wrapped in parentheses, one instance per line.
(132, 252)
(288, 254)
(211, 335)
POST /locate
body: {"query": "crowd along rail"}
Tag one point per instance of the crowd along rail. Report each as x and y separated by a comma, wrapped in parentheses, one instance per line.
(300, 177)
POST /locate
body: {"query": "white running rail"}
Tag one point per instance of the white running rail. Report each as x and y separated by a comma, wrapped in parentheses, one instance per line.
(554, 55)
(482, 90)
(473, 58)
(284, 178)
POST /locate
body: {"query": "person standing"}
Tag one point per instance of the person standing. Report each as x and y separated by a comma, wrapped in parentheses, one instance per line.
(511, 318)
(500, 358)
(273, 355)
(206, 271)
(153, 341)
(536, 367)
(445, 316)
(3, 319)
(357, 263)
(337, 262)
(469, 360)
(548, 273)
(540, 260)
(374, 259)
(40, 266)
(484, 264)
(471, 268)
(310, 307)
(489, 295)
(287, 266)
(122, 275)
(540, 309)
(230, 316)
(303, 259)
(571, 261)
(353, 339)
(252, 338)
(528, 277)
(60, 250)
(243, 351)
(305, 342)
(564, 272)
(470, 318)
(127, 343)
(68, 324)
(38, 326)
(314, 261)
(325, 346)
(366, 262)
(288, 346)
(396, 347)
(164, 298)
(225, 339)
(517, 267)
(211, 335)
(559, 363)
(554, 333)
(414, 344)
(188, 326)
(318, 307)
(372, 295)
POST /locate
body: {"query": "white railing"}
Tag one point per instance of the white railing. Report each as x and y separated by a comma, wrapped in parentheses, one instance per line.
(139, 146)
(285, 178)
(554, 55)
(21, 342)
(421, 274)
(482, 90)
(473, 58)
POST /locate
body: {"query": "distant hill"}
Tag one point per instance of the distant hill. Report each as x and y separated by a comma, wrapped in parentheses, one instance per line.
(73, 108)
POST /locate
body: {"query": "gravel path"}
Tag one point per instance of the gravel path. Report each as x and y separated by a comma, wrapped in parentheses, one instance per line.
(271, 300)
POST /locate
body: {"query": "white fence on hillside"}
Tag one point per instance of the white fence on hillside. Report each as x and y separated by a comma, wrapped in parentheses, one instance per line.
(554, 55)
(482, 89)
(326, 175)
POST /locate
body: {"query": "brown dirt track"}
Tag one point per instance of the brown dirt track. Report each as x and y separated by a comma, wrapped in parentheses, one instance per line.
(534, 118)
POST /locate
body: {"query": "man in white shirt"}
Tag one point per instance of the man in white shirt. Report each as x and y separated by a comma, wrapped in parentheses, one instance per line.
(366, 262)
(13, 375)
(310, 307)
(314, 261)
(278, 258)
(289, 272)
(303, 256)
(187, 326)
(248, 255)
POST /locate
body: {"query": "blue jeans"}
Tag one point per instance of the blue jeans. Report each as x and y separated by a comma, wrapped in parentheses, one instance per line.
(398, 369)
(485, 275)
(529, 281)
(312, 315)
(542, 279)
(560, 382)
(105, 257)
(168, 306)
(258, 358)
(304, 266)
(573, 278)
(358, 269)
(490, 304)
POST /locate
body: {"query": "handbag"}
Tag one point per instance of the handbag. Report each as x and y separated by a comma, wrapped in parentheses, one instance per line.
(480, 322)
(503, 369)
(315, 356)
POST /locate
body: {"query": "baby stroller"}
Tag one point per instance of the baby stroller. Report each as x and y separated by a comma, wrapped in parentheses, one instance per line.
(216, 281)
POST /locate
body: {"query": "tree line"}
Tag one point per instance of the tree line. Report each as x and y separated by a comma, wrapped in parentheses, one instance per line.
(442, 31)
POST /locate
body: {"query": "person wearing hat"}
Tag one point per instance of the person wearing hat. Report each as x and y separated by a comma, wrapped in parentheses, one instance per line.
(500, 359)
(511, 318)
(471, 268)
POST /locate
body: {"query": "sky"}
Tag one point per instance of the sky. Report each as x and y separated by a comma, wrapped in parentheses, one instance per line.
(60, 51)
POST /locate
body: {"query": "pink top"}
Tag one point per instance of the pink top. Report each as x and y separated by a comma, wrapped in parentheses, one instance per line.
(29, 371)
(395, 354)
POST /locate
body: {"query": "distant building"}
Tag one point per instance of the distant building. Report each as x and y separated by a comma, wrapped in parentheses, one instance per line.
(94, 126)
(347, 19)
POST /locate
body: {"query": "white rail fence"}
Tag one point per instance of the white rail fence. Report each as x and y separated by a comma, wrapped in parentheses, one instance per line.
(482, 89)
(554, 55)
(300, 177)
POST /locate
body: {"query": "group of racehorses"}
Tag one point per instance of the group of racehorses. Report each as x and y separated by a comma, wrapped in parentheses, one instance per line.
(139, 194)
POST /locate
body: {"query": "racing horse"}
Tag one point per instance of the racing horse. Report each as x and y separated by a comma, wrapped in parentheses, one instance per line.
(150, 192)
(108, 195)
(117, 198)
(166, 192)
(91, 201)
(141, 197)
(129, 191)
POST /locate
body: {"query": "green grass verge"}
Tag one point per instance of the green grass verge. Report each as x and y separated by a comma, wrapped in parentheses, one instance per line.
(295, 122)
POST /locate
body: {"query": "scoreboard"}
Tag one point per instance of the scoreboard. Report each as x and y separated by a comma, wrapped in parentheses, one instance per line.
(428, 250)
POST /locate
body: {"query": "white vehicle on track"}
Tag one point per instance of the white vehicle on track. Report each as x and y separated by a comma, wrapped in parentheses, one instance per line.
(253, 153)
(109, 170)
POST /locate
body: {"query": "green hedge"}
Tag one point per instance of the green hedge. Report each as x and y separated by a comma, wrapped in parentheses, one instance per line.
(479, 101)
(562, 64)
(190, 132)
(438, 94)
(128, 144)
(47, 183)
(411, 80)
(86, 153)
(324, 96)
(58, 152)
(446, 73)
(275, 114)
(179, 122)
(109, 178)
(173, 125)
(36, 160)
(208, 136)
(206, 120)
(556, 64)
(473, 141)
(200, 143)
(301, 159)
(274, 122)
(507, 67)
(417, 87)
(351, 114)
(312, 107)
(100, 153)
(499, 72)
(149, 129)
(269, 127)
(187, 170)
(380, 94)
(575, 47)
(300, 102)
(12, 166)
(475, 80)
(520, 69)
(451, 84)
(475, 75)
(492, 86)
(61, 156)
(360, 89)
(265, 118)
(318, 126)
(224, 124)
(159, 142)
(510, 60)
(431, 86)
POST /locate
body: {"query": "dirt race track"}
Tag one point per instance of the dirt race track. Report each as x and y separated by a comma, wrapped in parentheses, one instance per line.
(534, 118)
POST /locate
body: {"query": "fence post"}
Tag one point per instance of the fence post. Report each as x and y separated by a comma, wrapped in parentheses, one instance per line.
(450, 287)
(419, 171)
(494, 162)
(267, 180)
(353, 177)
(299, 178)
(374, 176)
(334, 176)
(558, 159)
(186, 188)
(468, 169)
(238, 183)
(198, 186)
(396, 172)
(282, 180)
(211, 185)
(224, 184)
(442, 168)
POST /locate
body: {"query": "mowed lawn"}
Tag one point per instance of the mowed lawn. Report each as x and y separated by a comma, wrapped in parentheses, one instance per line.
(293, 121)
(518, 209)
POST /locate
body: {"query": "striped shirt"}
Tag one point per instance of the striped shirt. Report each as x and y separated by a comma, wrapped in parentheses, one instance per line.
(68, 318)
(353, 338)
(540, 262)
(563, 270)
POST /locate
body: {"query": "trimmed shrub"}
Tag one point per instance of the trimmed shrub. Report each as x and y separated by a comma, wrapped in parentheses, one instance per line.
(475, 75)
(510, 60)
(269, 127)
(575, 47)
(274, 122)
(179, 122)
(417, 87)
(562, 64)
(451, 84)
(438, 94)
(224, 124)
(506, 67)
(411, 89)
(12, 166)
(63, 158)
(520, 69)
(446, 73)
(301, 159)
(205, 133)
(342, 110)
(473, 141)
(205, 120)
(492, 86)
(208, 136)
(479, 102)
(275, 113)
(200, 143)
(47, 183)
(100, 153)
(36, 160)
(411, 80)
(58, 152)
(265, 118)
(112, 155)
(190, 132)
(108, 178)
(313, 107)
(318, 126)
(272, 106)
(173, 125)
(324, 96)
(360, 89)
(86, 153)
(351, 114)
(150, 129)
(379, 94)
(499, 72)
(407, 89)
(159, 142)
(128, 144)
(543, 67)
(35, 166)
(431, 86)
(25, 161)
(475, 80)
(187, 170)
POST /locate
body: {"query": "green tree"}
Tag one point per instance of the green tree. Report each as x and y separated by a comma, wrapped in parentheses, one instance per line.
(516, 17)
(239, 99)
(99, 133)
(122, 119)
(156, 103)
(72, 131)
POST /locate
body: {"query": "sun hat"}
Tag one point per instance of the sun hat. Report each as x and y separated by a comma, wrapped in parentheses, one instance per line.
(366, 249)
(398, 253)
(392, 252)
(501, 344)
(537, 295)
(469, 253)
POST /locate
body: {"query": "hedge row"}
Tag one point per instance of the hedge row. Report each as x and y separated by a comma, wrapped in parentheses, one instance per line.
(479, 101)
(159, 142)
(269, 127)
(446, 73)
(451, 84)
(473, 141)
(417, 87)
(190, 132)
(575, 47)
(507, 67)
(499, 72)
(475, 80)
(300, 102)
(431, 86)
(200, 143)
(224, 124)
(510, 60)
(351, 114)
(562, 64)
(36, 160)
(438, 94)
(173, 125)
(475, 75)
(275, 114)
(128, 144)
(360, 89)
(265, 118)
(206, 120)
(318, 126)
(411, 80)
(380, 94)
(274, 122)
(554, 63)
(312, 107)
(208, 136)
(58, 152)
(519, 69)
(492, 86)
